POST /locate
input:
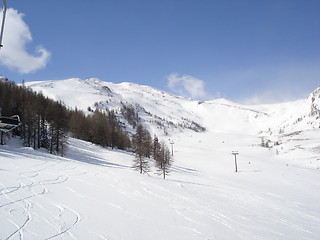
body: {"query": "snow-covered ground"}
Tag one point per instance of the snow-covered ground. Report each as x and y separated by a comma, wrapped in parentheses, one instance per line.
(93, 192)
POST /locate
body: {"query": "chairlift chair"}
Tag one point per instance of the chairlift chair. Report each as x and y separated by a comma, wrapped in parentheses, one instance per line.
(9, 123)
(4, 10)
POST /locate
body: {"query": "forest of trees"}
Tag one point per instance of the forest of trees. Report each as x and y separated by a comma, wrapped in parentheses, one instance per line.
(43, 121)
(101, 128)
(46, 123)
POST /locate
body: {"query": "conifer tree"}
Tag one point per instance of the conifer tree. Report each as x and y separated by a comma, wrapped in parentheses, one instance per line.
(139, 144)
(163, 160)
(155, 148)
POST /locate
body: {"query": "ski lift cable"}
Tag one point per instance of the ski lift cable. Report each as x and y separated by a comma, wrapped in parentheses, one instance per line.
(4, 11)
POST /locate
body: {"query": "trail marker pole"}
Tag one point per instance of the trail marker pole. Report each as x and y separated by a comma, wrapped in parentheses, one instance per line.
(171, 142)
(235, 153)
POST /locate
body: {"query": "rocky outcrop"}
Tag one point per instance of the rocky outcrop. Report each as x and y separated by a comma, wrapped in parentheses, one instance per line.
(315, 103)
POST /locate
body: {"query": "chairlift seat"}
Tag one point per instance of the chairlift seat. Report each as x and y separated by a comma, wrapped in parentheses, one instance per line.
(9, 123)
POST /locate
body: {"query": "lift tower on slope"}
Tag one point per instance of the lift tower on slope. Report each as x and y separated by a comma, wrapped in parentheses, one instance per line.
(235, 153)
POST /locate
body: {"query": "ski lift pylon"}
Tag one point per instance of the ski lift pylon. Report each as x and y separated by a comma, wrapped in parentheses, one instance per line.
(9, 123)
(4, 11)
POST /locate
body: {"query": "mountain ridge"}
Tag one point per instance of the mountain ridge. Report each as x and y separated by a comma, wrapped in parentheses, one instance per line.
(159, 108)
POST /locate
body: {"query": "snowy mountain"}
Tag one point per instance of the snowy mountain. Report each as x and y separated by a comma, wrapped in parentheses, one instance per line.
(159, 109)
(93, 192)
(170, 116)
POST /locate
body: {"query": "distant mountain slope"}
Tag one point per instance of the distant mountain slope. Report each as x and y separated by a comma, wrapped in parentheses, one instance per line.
(293, 116)
(164, 112)
(157, 109)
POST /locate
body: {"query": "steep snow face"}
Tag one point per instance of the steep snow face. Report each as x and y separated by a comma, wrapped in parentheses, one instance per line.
(165, 113)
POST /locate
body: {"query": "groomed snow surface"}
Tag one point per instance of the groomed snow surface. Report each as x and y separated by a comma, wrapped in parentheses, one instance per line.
(93, 192)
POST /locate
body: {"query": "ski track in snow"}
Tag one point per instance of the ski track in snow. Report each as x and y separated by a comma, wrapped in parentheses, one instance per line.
(196, 203)
(29, 192)
(95, 194)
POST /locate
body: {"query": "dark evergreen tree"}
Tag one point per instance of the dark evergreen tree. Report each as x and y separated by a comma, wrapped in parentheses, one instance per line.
(163, 160)
(139, 145)
(156, 148)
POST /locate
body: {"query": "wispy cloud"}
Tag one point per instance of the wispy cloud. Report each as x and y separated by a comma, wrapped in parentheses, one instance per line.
(14, 54)
(187, 85)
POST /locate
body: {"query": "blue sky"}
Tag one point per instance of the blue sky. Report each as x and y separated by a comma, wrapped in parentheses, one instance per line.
(244, 50)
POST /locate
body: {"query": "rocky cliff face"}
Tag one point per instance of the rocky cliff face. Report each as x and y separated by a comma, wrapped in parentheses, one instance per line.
(315, 103)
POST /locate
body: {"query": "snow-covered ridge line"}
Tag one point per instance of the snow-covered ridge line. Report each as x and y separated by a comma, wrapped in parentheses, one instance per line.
(171, 110)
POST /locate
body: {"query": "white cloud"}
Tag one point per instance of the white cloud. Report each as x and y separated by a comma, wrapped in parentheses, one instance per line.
(14, 54)
(187, 85)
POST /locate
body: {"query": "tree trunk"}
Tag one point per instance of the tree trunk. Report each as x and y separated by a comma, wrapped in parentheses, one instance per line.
(2, 143)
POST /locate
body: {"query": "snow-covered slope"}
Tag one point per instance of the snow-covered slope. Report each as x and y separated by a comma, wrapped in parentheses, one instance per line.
(93, 193)
(298, 115)
(157, 108)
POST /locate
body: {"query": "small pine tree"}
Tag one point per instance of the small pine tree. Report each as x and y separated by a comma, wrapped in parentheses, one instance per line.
(141, 164)
(139, 144)
(163, 160)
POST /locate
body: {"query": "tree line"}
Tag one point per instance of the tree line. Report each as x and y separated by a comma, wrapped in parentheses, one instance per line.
(46, 123)
(43, 121)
